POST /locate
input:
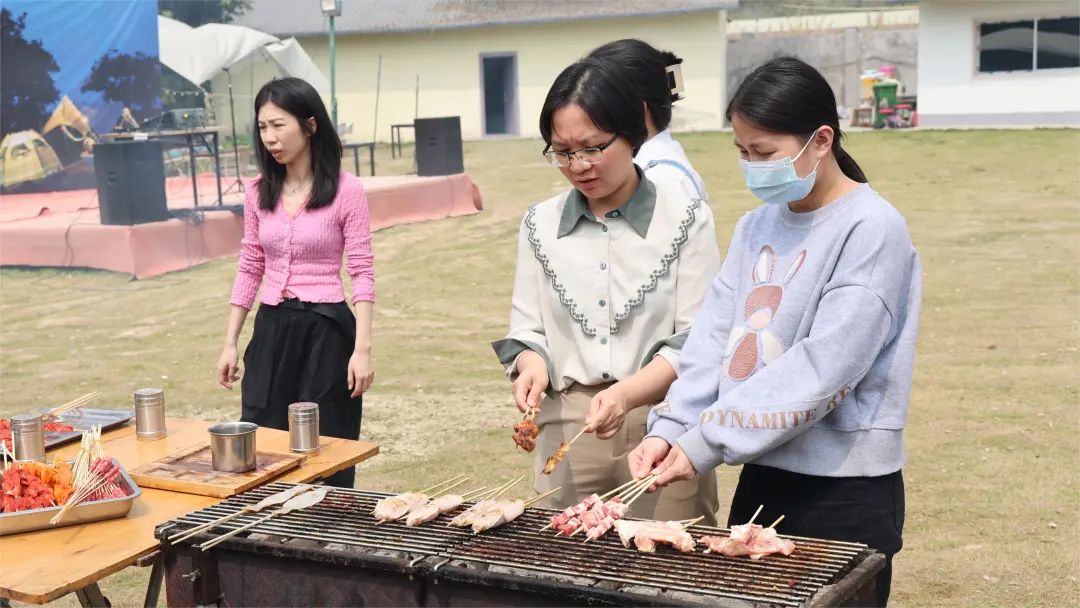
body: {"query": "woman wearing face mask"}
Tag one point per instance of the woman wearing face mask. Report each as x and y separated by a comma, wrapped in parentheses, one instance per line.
(300, 215)
(608, 277)
(799, 364)
(657, 75)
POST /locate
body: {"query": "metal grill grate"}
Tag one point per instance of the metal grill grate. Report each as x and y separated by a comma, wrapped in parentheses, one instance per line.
(344, 518)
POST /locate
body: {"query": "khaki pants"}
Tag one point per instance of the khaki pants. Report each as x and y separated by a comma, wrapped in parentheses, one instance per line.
(595, 466)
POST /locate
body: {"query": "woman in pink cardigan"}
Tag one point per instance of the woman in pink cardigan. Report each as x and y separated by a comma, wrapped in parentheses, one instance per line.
(300, 215)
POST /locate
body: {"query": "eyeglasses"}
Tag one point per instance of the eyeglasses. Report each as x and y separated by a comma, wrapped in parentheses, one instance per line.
(587, 156)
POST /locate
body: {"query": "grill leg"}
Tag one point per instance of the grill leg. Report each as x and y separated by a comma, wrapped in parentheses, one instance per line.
(91, 596)
(153, 588)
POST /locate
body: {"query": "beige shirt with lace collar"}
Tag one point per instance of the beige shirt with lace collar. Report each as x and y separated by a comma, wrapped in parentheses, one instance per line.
(598, 298)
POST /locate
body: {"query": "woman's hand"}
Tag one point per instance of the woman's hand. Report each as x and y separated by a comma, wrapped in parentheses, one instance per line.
(227, 370)
(531, 382)
(607, 412)
(676, 467)
(647, 456)
(361, 373)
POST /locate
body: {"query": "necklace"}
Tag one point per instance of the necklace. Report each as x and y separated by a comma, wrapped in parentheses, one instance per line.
(298, 187)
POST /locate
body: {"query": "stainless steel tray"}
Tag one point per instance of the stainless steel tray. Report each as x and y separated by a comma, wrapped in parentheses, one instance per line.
(38, 519)
(82, 419)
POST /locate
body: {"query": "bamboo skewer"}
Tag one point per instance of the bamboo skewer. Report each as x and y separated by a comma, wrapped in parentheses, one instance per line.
(476, 492)
(305, 500)
(448, 488)
(439, 485)
(689, 522)
(536, 499)
(580, 433)
(73, 404)
(507, 487)
(255, 508)
(632, 482)
(639, 490)
(760, 507)
(778, 520)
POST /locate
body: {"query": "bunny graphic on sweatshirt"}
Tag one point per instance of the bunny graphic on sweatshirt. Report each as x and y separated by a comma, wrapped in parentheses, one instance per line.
(753, 341)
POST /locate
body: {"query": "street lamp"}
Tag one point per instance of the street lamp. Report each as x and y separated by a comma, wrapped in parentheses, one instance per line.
(332, 8)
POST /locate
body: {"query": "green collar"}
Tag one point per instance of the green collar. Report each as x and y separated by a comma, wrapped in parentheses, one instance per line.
(638, 211)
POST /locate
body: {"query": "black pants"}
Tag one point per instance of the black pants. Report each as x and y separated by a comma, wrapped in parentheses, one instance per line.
(300, 352)
(866, 510)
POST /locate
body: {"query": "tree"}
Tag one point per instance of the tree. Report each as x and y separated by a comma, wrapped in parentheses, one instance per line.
(199, 12)
(27, 67)
(132, 80)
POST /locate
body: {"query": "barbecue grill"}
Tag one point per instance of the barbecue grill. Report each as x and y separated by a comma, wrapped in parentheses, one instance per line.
(334, 554)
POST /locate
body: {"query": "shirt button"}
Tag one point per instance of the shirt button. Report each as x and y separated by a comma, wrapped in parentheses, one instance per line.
(603, 228)
(603, 303)
(613, 214)
(605, 375)
(603, 340)
(603, 266)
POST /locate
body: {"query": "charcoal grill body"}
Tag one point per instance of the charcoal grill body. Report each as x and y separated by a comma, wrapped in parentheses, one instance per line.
(337, 557)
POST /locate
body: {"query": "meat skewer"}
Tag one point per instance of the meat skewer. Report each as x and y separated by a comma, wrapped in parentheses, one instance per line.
(594, 516)
(296, 503)
(560, 453)
(437, 506)
(750, 540)
(421, 503)
(395, 507)
(561, 518)
(526, 431)
(505, 511)
(269, 501)
(468, 516)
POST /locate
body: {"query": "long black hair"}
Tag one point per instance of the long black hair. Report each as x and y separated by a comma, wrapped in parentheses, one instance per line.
(647, 67)
(787, 95)
(611, 102)
(300, 99)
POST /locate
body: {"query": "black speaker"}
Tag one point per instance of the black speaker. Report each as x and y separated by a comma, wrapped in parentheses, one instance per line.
(438, 146)
(130, 182)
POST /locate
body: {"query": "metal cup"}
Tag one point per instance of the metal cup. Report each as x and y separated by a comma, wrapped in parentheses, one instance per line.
(304, 426)
(149, 414)
(232, 446)
(28, 437)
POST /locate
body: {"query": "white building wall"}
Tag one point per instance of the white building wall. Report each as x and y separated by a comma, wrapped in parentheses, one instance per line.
(953, 93)
(448, 65)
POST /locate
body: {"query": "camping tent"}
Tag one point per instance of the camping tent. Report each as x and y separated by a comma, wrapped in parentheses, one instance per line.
(25, 157)
(67, 114)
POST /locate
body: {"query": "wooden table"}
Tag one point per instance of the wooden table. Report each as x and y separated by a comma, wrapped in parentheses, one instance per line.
(39, 567)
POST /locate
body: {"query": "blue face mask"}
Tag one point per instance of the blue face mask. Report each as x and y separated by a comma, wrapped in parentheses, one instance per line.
(775, 182)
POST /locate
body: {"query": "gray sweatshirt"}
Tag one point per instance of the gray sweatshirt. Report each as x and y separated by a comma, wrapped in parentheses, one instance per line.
(801, 355)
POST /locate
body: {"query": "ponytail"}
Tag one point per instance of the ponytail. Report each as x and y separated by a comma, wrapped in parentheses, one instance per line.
(846, 162)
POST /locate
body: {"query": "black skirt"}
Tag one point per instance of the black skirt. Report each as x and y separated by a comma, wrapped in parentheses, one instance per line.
(866, 510)
(300, 352)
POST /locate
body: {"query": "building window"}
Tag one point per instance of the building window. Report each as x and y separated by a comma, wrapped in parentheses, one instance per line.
(1034, 44)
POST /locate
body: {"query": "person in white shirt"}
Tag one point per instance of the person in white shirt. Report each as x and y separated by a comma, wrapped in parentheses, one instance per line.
(609, 276)
(657, 75)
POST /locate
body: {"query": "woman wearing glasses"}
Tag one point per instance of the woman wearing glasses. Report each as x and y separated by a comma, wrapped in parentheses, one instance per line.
(609, 276)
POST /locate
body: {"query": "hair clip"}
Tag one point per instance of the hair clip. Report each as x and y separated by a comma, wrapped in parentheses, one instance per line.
(675, 79)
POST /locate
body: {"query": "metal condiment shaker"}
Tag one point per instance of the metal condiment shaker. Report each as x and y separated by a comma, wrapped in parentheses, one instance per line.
(28, 437)
(149, 414)
(304, 427)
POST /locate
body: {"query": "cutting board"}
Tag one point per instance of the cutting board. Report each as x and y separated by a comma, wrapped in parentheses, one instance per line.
(191, 471)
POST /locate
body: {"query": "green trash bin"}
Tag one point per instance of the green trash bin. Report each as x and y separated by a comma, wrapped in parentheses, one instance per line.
(884, 101)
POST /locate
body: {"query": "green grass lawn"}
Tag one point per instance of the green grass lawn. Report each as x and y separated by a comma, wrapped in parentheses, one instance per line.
(991, 477)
